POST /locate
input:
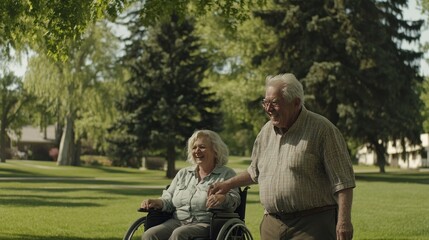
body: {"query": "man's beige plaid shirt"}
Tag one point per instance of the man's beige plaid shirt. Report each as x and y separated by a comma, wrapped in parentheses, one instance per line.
(303, 168)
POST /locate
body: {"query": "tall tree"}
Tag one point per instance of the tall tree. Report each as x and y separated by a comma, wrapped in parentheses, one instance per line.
(165, 100)
(393, 73)
(12, 99)
(79, 89)
(348, 55)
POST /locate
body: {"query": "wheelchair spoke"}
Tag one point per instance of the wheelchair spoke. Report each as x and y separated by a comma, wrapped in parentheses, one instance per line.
(235, 229)
(136, 230)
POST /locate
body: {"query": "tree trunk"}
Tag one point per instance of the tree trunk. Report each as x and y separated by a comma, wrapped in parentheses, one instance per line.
(76, 153)
(59, 129)
(3, 124)
(380, 150)
(66, 154)
(404, 152)
(171, 161)
(2, 144)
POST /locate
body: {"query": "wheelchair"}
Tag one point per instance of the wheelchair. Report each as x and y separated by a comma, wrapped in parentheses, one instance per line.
(223, 225)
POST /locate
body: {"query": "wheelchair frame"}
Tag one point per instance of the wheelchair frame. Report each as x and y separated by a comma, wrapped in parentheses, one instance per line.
(223, 225)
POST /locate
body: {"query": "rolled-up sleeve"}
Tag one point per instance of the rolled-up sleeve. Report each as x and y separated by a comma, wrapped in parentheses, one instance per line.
(167, 195)
(337, 161)
(253, 167)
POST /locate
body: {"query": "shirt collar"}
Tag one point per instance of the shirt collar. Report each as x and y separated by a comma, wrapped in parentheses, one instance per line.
(217, 170)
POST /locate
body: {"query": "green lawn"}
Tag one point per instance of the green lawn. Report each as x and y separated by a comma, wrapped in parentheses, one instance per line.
(39, 200)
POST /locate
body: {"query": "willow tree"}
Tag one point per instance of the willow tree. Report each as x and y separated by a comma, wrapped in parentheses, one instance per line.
(79, 89)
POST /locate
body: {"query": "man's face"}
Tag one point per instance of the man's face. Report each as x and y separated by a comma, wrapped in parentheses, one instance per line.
(281, 113)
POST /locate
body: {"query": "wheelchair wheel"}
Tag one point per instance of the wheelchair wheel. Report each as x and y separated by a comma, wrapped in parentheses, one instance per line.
(234, 229)
(136, 230)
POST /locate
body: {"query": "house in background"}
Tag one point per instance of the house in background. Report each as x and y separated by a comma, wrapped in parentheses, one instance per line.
(33, 142)
(415, 156)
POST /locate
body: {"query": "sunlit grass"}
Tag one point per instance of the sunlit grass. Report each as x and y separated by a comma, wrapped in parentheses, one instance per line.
(39, 200)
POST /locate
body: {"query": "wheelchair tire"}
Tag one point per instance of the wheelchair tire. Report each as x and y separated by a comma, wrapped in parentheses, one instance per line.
(136, 230)
(234, 229)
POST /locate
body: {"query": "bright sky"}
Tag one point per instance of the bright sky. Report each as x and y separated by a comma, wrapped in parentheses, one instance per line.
(411, 13)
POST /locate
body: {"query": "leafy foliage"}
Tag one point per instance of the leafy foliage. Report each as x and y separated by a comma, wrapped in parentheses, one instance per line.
(50, 23)
(12, 99)
(235, 78)
(53, 23)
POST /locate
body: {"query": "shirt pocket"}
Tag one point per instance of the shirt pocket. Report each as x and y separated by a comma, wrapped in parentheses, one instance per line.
(182, 194)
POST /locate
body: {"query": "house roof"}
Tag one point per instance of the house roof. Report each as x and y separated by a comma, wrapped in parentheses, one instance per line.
(34, 134)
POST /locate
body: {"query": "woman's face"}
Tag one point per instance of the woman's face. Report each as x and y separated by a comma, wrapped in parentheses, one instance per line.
(203, 152)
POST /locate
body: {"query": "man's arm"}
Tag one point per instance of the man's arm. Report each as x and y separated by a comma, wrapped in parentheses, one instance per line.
(344, 224)
(242, 179)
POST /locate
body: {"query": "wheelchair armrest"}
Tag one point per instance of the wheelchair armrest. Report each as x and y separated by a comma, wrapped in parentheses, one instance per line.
(148, 210)
(155, 217)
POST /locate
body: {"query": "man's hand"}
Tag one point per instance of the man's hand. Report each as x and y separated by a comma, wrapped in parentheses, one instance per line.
(215, 200)
(151, 204)
(218, 188)
(344, 230)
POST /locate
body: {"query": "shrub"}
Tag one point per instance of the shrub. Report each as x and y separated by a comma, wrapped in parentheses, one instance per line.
(95, 160)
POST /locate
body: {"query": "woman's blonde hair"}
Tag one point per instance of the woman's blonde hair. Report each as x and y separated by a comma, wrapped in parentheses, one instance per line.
(219, 147)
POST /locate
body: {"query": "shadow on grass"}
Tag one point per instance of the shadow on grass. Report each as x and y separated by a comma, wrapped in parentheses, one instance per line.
(45, 197)
(33, 237)
(245, 162)
(252, 193)
(10, 172)
(69, 180)
(252, 202)
(41, 199)
(120, 190)
(116, 170)
(39, 202)
(395, 177)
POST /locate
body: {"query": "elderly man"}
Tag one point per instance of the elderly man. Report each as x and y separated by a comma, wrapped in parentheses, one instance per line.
(301, 162)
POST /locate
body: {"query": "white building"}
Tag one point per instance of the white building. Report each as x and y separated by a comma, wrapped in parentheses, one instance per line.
(415, 157)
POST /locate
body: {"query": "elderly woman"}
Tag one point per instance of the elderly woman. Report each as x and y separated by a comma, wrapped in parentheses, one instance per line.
(187, 193)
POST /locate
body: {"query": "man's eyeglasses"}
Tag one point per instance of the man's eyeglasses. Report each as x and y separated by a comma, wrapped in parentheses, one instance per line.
(266, 103)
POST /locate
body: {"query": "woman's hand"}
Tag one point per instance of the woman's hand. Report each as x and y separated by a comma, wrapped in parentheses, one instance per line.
(151, 204)
(215, 200)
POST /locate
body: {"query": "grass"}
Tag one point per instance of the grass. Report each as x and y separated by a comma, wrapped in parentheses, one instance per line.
(39, 200)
